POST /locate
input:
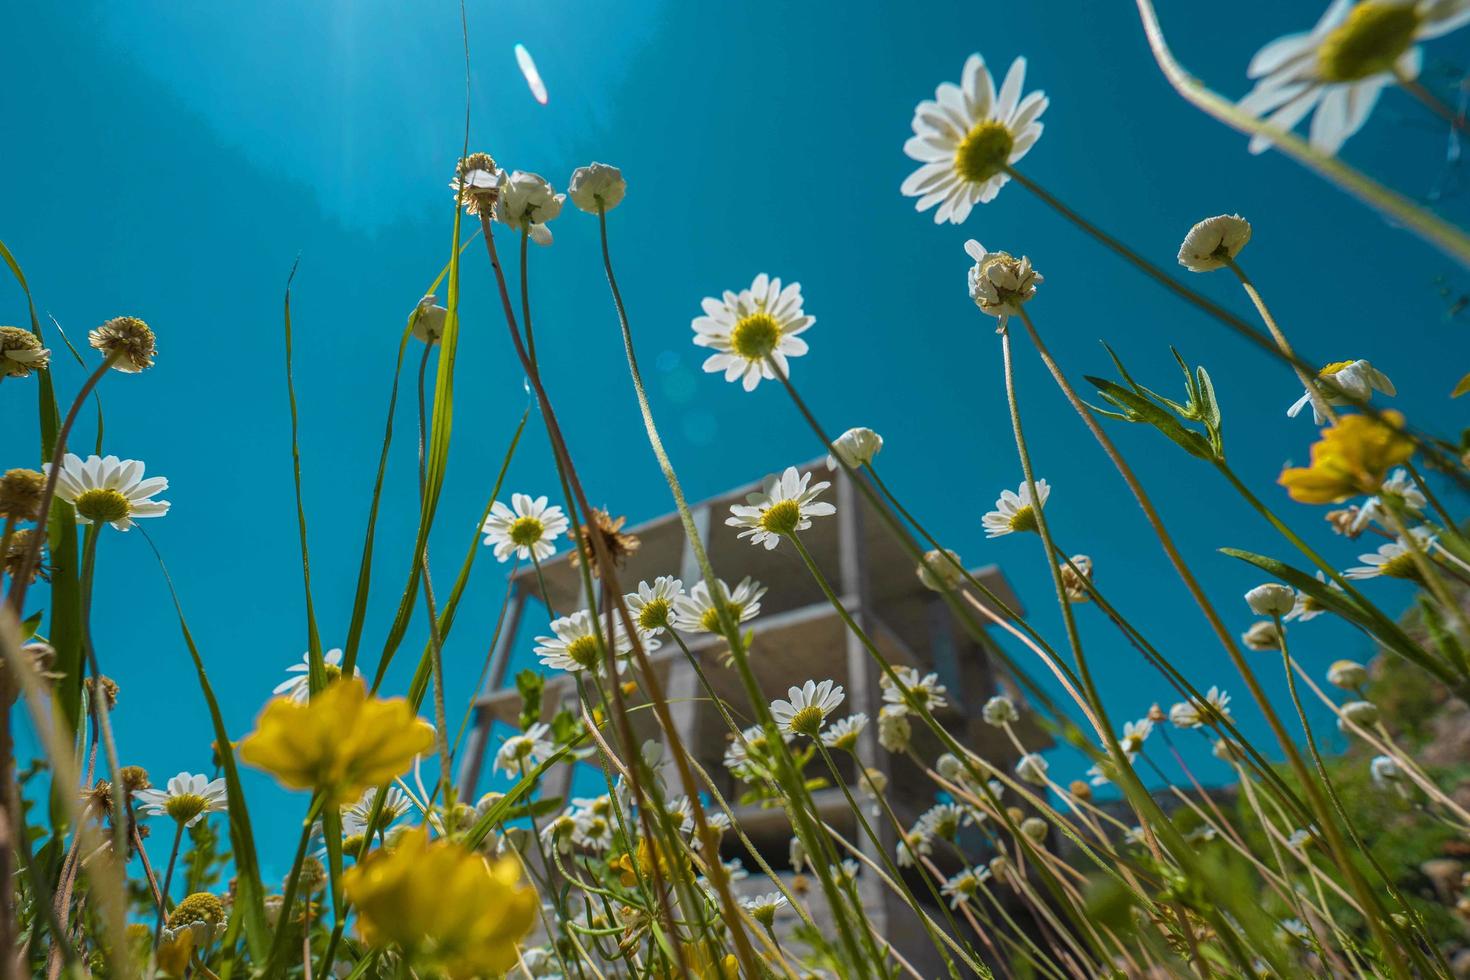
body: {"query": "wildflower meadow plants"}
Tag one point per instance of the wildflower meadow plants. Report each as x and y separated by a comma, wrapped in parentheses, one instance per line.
(1003, 870)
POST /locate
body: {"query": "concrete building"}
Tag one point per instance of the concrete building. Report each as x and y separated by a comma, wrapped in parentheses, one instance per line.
(797, 636)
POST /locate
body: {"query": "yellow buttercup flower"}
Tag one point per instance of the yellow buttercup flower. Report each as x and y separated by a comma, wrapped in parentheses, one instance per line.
(447, 908)
(1352, 457)
(341, 742)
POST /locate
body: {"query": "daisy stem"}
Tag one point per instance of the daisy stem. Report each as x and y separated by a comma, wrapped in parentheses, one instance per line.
(1373, 912)
(1319, 401)
(168, 877)
(1415, 88)
(1430, 575)
(1451, 526)
(526, 296)
(20, 581)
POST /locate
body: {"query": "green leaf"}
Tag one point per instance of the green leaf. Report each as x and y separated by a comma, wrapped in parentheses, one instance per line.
(1462, 387)
(1188, 440)
(530, 685)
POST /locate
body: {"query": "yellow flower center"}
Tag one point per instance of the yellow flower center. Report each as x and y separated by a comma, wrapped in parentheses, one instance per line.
(185, 806)
(781, 517)
(1024, 519)
(710, 619)
(755, 335)
(846, 741)
(332, 671)
(984, 152)
(583, 651)
(526, 531)
(764, 914)
(654, 615)
(1400, 566)
(807, 721)
(103, 505)
(1372, 38)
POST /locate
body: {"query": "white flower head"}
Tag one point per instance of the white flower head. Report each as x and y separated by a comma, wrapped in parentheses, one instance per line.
(525, 750)
(1305, 606)
(967, 138)
(574, 645)
(1016, 511)
(1399, 488)
(652, 606)
(941, 571)
(1195, 713)
(944, 820)
(894, 728)
(526, 203)
(428, 319)
(1214, 242)
(855, 447)
(188, 799)
(21, 353)
(843, 734)
(526, 528)
(1271, 599)
(963, 887)
(598, 187)
(807, 710)
(1032, 769)
(915, 844)
(912, 691)
(763, 908)
(1262, 635)
(1000, 283)
(355, 816)
(1394, 559)
(1342, 65)
(298, 685)
(1358, 379)
(108, 489)
(785, 505)
(750, 329)
(999, 711)
(1347, 674)
(698, 612)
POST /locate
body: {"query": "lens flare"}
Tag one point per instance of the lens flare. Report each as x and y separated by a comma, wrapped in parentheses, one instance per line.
(533, 77)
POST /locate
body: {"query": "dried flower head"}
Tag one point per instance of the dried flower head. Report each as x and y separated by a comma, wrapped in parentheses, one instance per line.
(475, 182)
(20, 494)
(16, 553)
(608, 530)
(1075, 585)
(1214, 243)
(21, 353)
(1000, 283)
(128, 340)
(104, 687)
(133, 779)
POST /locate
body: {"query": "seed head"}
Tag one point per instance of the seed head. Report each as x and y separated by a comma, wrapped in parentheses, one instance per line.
(20, 494)
(130, 339)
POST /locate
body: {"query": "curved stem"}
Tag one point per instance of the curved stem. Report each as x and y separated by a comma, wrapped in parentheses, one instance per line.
(1319, 401)
(168, 877)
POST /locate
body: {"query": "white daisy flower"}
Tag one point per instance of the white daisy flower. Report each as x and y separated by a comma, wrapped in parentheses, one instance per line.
(968, 136)
(807, 710)
(1015, 511)
(1213, 242)
(785, 505)
(1384, 771)
(855, 447)
(525, 750)
(593, 831)
(1342, 65)
(527, 530)
(188, 799)
(1000, 283)
(915, 844)
(1195, 713)
(696, 612)
(1398, 486)
(597, 185)
(21, 353)
(573, 647)
(1304, 607)
(428, 321)
(923, 692)
(999, 711)
(894, 729)
(748, 327)
(527, 202)
(843, 734)
(355, 816)
(944, 820)
(1032, 768)
(1135, 733)
(652, 606)
(763, 908)
(298, 686)
(1356, 378)
(1394, 559)
(965, 886)
(105, 488)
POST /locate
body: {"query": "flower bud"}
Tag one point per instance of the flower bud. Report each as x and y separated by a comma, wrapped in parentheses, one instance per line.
(1080, 789)
(1035, 828)
(1262, 635)
(940, 573)
(894, 730)
(1214, 242)
(597, 187)
(1361, 713)
(999, 711)
(1271, 599)
(1347, 674)
(855, 447)
(1032, 768)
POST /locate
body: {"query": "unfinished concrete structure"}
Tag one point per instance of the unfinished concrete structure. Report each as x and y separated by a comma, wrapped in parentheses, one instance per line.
(797, 636)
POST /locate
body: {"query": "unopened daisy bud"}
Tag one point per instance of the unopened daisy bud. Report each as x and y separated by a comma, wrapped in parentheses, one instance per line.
(1361, 713)
(128, 340)
(1156, 713)
(20, 494)
(1214, 243)
(875, 782)
(894, 730)
(1270, 599)
(999, 865)
(941, 571)
(428, 321)
(133, 779)
(1080, 789)
(1228, 751)
(855, 447)
(1384, 770)
(1262, 635)
(999, 711)
(1347, 674)
(1032, 768)
(21, 353)
(1015, 814)
(476, 179)
(1035, 828)
(948, 766)
(1000, 283)
(599, 187)
(1074, 586)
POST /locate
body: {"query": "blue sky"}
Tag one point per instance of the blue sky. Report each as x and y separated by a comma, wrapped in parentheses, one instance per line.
(167, 161)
